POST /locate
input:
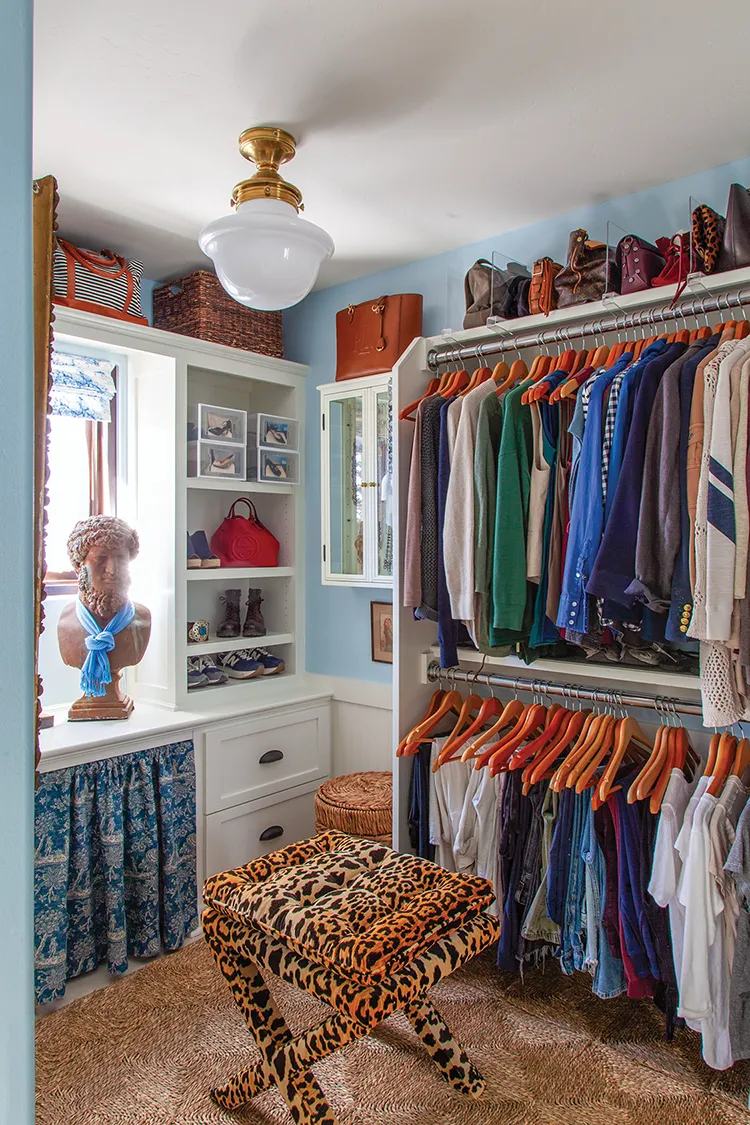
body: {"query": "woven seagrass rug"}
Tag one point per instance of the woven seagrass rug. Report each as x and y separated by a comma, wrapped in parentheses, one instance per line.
(147, 1049)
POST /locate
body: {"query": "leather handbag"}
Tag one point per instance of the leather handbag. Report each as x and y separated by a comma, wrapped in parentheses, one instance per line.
(676, 254)
(590, 266)
(244, 540)
(542, 296)
(708, 236)
(638, 262)
(102, 283)
(370, 337)
(516, 301)
(486, 285)
(735, 250)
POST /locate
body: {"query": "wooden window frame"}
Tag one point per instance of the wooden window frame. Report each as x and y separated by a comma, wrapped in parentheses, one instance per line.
(101, 439)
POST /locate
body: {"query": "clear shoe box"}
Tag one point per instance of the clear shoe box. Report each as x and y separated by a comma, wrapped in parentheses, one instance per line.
(273, 466)
(217, 459)
(271, 431)
(218, 424)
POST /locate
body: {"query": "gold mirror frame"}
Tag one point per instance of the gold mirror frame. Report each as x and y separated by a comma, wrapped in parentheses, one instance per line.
(44, 218)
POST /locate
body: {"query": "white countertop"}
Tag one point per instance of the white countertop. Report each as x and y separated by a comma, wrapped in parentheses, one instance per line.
(68, 743)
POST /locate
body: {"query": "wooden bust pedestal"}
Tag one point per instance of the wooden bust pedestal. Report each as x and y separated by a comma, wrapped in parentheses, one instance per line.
(130, 645)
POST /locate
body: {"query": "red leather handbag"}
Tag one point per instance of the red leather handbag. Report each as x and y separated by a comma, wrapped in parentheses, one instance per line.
(676, 252)
(244, 540)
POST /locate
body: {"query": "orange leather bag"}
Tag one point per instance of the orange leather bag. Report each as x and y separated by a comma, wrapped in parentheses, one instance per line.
(370, 337)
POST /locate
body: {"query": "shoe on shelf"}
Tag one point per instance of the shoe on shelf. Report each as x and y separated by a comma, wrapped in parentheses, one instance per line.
(213, 674)
(208, 560)
(270, 664)
(230, 626)
(195, 677)
(241, 665)
(223, 430)
(254, 625)
(193, 558)
(222, 464)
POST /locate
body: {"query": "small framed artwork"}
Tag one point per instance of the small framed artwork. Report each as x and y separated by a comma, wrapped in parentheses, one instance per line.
(381, 627)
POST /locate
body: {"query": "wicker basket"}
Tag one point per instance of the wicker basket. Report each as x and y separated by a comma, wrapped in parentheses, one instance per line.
(197, 305)
(359, 804)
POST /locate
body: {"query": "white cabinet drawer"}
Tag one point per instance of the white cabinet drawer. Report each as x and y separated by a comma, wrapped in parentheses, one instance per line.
(256, 758)
(236, 836)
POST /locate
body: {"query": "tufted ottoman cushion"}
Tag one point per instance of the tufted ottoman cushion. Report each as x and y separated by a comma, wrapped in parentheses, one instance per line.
(348, 903)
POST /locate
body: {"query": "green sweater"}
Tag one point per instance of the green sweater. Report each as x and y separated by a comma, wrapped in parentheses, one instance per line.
(510, 617)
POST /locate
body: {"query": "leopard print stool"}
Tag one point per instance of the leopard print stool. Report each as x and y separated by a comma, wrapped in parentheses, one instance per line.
(361, 927)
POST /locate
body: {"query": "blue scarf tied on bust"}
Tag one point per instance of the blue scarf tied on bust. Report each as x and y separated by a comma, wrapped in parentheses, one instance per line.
(96, 672)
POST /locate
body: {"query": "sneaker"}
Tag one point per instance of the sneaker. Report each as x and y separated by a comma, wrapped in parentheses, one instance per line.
(270, 664)
(195, 677)
(241, 665)
(213, 674)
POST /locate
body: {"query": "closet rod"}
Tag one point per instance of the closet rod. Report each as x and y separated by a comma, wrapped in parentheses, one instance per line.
(572, 692)
(507, 340)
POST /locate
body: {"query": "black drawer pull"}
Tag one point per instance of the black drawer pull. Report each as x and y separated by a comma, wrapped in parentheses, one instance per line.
(270, 756)
(271, 833)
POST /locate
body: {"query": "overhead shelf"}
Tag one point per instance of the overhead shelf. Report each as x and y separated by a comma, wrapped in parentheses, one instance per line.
(223, 644)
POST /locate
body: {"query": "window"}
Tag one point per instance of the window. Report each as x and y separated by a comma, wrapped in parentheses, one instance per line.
(82, 482)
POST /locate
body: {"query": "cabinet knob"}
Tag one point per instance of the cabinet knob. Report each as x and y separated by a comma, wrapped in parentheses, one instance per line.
(271, 833)
(270, 756)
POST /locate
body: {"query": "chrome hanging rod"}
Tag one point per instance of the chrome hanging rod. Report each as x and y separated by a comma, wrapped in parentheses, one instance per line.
(507, 339)
(569, 691)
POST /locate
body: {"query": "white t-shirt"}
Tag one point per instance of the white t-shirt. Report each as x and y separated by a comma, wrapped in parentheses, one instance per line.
(447, 792)
(667, 862)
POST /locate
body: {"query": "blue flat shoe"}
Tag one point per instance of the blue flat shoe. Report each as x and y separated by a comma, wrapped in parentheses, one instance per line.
(207, 559)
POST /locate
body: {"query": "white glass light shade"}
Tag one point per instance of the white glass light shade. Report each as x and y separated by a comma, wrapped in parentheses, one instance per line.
(265, 255)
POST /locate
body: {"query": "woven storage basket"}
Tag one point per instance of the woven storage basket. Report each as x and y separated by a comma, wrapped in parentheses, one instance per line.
(197, 305)
(359, 804)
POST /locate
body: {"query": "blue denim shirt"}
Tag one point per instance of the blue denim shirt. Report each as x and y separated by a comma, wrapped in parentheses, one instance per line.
(607, 970)
(587, 511)
(623, 418)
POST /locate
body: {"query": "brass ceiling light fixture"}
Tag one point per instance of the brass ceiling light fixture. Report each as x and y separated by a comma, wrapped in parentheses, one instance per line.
(266, 255)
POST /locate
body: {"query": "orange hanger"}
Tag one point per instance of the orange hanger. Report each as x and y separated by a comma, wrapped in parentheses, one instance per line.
(579, 747)
(556, 716)
(599, 356)
(432, 706)
(490, 709)
(681, 752)
(500, 754)
(494, 738)
(742, 329)
(727, 331)
(432, 386)
(500, 372)
(537, 768)
(584, 771)
(470, 704)
(539, 366)
(509, 714)
(649, 775)
(481, 375)
(517, 371)
(451, 701)
(724, 761)
(628, 731)
(741, 758)
(457, 383)
(702, 333)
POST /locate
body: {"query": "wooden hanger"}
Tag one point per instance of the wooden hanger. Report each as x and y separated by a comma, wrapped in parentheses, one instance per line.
(490, 709)
(499, 755)
(471, 704)
(556, 716)
(457, 383)
(432, 706)
(538, 767)
(600, 356)
(451, 701)
(649, 775)
(517, 371)
(509, 715)
(579, 747)
(481, 375)
(539, 367)
(741, 758)
(725, 756)
(681, 754)
(581, 776)
(742, 330)
(493, 742)
(500, 372)
(727, 331)
(432, 386)
(628, 731)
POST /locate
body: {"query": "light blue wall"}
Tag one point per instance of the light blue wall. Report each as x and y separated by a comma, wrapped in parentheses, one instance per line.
(16, 604)
(338, 620)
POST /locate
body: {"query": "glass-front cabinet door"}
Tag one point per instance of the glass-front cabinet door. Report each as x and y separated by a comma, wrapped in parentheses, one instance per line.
(357, 483)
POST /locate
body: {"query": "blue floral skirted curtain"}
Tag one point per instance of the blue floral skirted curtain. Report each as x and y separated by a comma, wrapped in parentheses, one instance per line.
(115, 863)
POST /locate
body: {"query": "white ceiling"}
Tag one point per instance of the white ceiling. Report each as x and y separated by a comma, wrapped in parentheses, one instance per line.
(422, 124)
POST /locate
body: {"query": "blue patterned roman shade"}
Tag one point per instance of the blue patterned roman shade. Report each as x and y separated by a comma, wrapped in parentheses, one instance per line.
(81, 387)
